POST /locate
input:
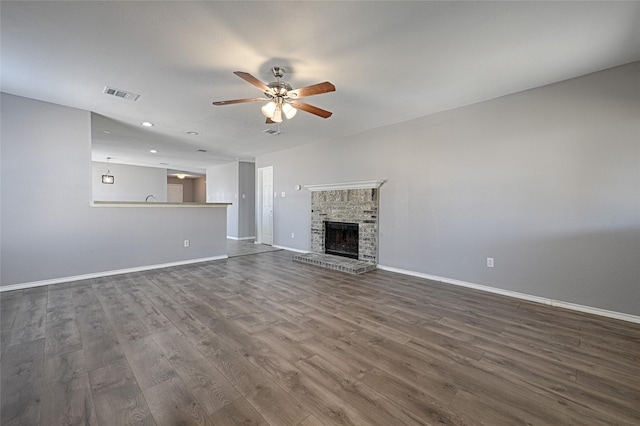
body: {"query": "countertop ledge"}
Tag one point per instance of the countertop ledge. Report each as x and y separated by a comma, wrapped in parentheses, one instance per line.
(154, 204)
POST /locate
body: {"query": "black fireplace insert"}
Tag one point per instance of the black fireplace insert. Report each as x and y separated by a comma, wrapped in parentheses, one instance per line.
(341, 239)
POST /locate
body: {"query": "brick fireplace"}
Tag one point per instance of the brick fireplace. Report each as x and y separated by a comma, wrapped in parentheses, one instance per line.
(351, 203)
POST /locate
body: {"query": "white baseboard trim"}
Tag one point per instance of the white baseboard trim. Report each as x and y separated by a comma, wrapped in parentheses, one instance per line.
(241, 238)
(546, 301)
(23, 286)
(291, 249)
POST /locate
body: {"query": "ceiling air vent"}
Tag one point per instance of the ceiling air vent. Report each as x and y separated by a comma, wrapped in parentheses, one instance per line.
(270, 131)
(120, 93)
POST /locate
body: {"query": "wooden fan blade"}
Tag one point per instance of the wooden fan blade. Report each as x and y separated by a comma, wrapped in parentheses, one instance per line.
(315, 89)
(269, 121)
(311, 109)
(252, 80)
(240, 101)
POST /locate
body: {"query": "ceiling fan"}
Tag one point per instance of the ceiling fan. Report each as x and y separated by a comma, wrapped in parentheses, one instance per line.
(282, 99)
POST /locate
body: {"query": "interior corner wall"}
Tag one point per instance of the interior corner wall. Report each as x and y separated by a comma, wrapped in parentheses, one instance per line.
(235, 183)
(131, 183)
(247, 200)
(49, 230)
(222, 187)
(200, 190)
(545, 181)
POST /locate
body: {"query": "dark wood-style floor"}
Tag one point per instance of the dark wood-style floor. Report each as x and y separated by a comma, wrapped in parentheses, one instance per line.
(259, 339)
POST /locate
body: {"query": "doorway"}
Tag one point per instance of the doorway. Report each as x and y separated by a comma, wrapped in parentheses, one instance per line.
(265, 205)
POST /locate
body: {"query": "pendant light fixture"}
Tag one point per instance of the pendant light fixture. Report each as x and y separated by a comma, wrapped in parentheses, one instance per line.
(108, 178)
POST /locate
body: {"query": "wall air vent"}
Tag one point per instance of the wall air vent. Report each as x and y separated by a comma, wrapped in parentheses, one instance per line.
(120, 93)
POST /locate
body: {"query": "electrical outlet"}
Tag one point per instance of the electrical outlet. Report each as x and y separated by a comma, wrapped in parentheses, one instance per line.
(186, 243)
(489, 262)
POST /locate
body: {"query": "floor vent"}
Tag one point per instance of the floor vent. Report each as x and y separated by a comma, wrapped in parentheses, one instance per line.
(120, 93)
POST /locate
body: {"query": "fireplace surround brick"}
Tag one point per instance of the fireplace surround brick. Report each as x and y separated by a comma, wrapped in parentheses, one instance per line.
(347, 205)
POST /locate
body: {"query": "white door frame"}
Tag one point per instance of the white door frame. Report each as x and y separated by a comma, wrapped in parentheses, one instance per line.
(260, 196)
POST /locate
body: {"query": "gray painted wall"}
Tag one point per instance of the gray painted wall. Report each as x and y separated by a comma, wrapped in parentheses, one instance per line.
(131, 183)
(235, 183)
(49, 229)
(546, 181)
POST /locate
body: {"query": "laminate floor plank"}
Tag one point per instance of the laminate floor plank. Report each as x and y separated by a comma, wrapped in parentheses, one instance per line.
(29, 321)
(423, 406)
(9, 304)
(253, 384)
(145, 310)
(99, 343)
(238, 413)
(206, 382)
(324, 403)
(61, 331)
(21, 380)
(262, 340)
(280, 370)
(579, 359)
(67, 399)
(258, 389)
(146, 360)
(363, 402)
(352, 359)
(117, 397)
(557, 394)
(173, 404)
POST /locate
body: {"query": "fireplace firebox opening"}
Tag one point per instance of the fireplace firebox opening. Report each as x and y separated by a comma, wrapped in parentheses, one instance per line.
(341, 239)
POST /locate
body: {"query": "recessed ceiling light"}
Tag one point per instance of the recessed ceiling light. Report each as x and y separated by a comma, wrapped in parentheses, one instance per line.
(106, 131)
(153, 151)
(193, 133)
(147, 124)
(201, 150)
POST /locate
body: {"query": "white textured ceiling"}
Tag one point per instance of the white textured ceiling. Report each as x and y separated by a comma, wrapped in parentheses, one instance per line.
(390, 62)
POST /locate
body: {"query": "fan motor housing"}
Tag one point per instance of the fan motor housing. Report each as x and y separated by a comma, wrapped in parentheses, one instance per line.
(280, 88)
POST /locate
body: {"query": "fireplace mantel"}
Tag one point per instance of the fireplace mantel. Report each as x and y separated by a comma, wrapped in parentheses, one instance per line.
(365, 184)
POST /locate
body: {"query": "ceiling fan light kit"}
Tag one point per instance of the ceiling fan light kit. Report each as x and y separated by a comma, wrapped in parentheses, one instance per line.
(282, 99)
